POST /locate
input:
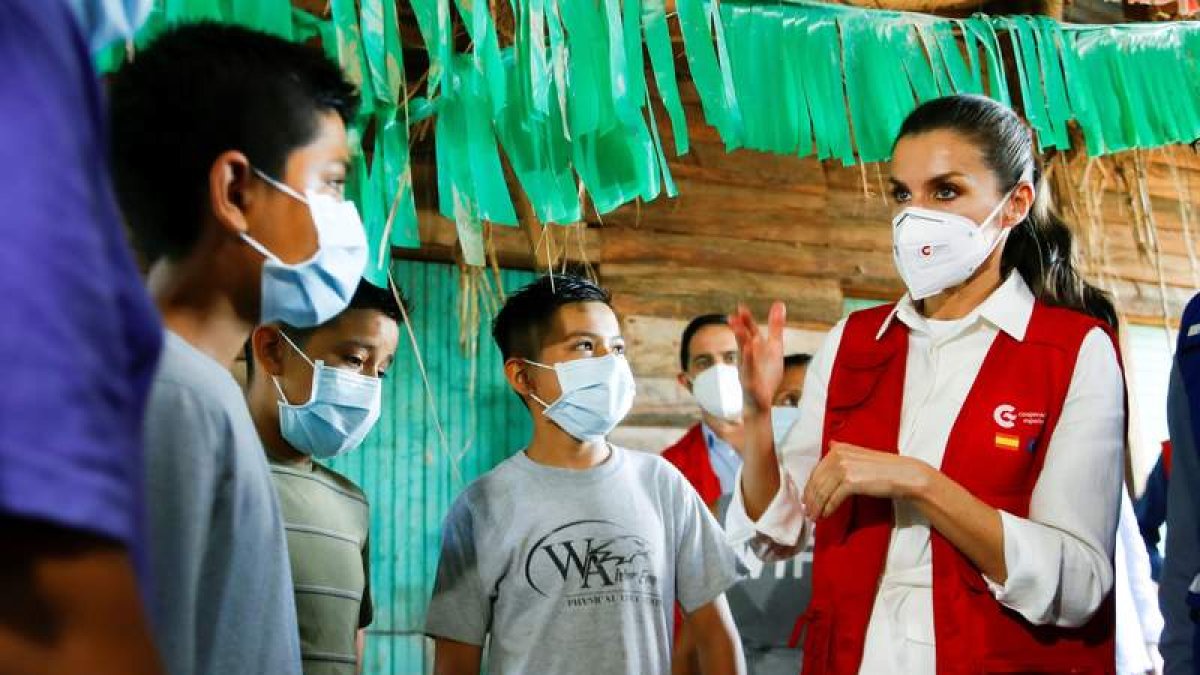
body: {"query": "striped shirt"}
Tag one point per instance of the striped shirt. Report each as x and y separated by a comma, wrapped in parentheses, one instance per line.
(326, 518)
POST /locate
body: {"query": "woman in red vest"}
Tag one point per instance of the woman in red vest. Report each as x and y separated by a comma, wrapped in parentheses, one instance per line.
(960, 452)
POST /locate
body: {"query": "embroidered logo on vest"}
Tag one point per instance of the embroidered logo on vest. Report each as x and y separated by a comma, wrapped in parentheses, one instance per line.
(1005, 415)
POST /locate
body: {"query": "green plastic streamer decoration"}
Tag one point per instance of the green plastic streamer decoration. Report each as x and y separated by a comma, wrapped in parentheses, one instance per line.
(433, 20)
(718, 101)
(662, 61)
(390, 195)
(569, 105)
(537, 147)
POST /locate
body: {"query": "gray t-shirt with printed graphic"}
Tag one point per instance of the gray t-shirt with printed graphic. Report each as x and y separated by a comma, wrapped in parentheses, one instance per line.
(577, 571)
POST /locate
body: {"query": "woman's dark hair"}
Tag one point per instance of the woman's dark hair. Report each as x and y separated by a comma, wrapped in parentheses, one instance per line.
(1040, 247)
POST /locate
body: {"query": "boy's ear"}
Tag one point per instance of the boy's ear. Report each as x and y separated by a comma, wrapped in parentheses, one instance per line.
(268, 346)
(229, 190)
(516, 372)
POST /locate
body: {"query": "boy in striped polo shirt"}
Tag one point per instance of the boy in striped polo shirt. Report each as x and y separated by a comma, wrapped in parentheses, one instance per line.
(315, 394)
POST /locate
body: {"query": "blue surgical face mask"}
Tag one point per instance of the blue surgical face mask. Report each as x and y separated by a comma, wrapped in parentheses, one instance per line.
(597, 394)
(783, 418)
(339, 414)
(312, 292)
(106, 21)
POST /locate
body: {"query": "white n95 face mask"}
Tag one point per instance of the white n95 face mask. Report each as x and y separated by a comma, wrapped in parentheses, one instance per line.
(935, 250)
(718, 390)
(312, 292)
(597, 393)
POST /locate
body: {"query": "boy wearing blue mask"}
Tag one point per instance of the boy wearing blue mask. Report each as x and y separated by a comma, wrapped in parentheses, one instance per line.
(569, 556)
(315, 394)
(229, 152)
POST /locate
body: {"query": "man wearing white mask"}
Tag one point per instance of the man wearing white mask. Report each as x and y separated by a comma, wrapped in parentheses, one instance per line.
(235, 199)
(315, 394)
(767, 606)
(708, 453)
(568, 557)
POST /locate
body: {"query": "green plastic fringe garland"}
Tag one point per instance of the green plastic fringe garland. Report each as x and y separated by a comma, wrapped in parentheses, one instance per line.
(569, 103)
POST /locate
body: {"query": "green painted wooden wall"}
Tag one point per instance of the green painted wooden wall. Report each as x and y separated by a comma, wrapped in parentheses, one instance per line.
(407, 476)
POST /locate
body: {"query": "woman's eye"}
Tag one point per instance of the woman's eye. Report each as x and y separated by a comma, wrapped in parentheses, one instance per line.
(900, 195)
(945, 194)
(618, 349)
(354, 361)
(584, 346)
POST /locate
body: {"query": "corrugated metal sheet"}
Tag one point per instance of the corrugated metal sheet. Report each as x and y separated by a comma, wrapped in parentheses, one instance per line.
(408, 477)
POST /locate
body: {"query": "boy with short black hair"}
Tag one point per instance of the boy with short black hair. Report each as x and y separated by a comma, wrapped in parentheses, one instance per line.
(229, 153)
(570, 556)
(315, 394)
(791, 387)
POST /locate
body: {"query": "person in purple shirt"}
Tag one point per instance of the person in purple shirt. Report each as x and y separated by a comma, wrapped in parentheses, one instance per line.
(80, 340)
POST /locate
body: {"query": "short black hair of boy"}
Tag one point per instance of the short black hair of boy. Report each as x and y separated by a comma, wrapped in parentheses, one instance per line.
(794, 360)
(693, 327)
(521, 325)
(367, 296)
(199, 90)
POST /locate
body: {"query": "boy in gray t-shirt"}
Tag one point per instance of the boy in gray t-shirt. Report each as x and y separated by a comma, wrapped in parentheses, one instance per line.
(569, 557)
(234, 197)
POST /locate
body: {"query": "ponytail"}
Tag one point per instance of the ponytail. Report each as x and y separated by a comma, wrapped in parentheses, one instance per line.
(1041, 250)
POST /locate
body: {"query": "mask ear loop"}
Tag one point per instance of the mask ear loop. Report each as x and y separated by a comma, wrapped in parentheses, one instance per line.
(1002, 233)
(257, 246)
(282, 397)
(279, 185)
(307, 360)
(545, 406)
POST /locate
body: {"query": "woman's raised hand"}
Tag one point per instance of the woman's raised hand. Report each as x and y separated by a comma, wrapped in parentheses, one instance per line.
(761, 355)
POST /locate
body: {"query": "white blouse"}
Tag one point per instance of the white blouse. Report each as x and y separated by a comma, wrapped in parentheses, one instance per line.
(1058, 560)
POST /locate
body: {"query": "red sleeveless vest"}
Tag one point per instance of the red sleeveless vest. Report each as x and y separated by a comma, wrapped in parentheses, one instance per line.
(996, 450)
(690, 456)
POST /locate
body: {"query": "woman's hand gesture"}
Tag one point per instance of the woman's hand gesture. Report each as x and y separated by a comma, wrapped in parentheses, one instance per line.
(761, 355)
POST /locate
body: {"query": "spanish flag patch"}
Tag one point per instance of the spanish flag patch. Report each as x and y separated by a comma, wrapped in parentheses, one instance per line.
(1008, 442)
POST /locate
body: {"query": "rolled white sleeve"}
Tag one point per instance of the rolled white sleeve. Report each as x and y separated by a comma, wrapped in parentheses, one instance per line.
(782, 530)
(1059, 560)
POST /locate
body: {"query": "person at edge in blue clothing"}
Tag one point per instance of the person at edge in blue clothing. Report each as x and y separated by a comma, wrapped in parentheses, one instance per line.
(1151, 509)
(1179, 589)
(82, 340)
(230, 157)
